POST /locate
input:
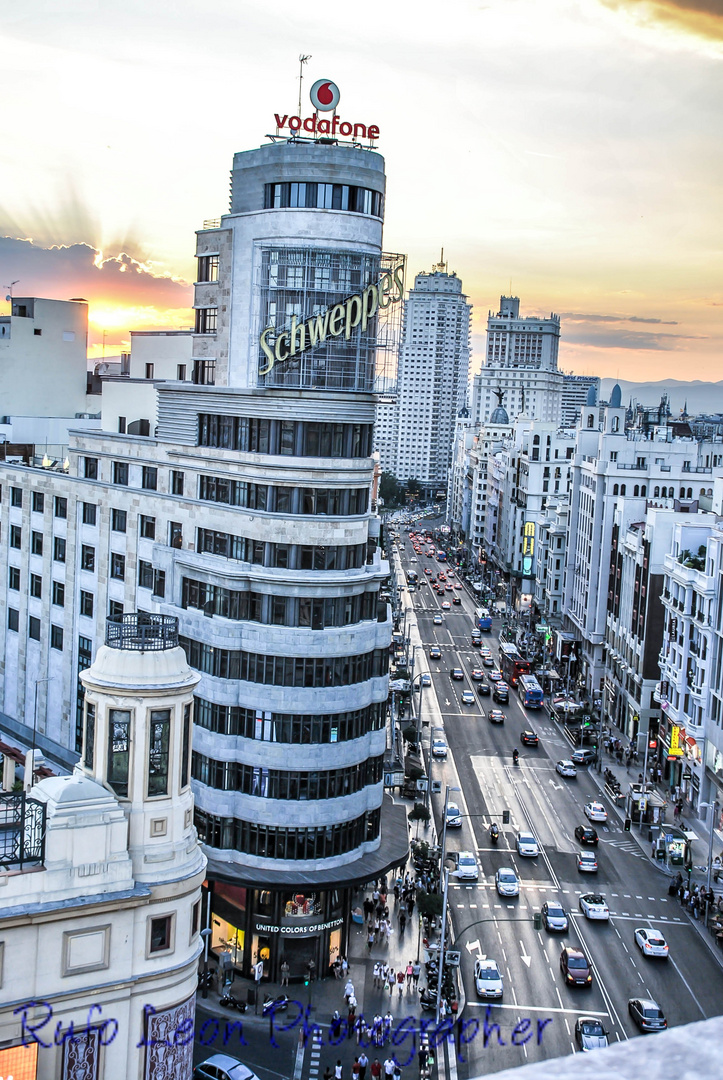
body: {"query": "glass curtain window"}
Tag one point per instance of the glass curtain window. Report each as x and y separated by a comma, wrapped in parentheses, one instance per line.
(160, 728)
(119, 732)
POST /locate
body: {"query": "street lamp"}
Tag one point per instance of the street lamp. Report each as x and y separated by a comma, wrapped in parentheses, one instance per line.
(447, 791)
(712, 808)
(444, 925)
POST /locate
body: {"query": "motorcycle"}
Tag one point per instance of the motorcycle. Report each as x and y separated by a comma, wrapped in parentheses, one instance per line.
(494, 833)
(515, 757)
(274, 1005)
(206, 980)
(428, 1000)
(231, 1002)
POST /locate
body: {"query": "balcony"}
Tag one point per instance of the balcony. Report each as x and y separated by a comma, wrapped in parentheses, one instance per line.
(697, 469)
(22, 831)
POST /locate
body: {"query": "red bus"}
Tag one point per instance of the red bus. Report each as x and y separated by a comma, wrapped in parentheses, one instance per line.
(512, 664)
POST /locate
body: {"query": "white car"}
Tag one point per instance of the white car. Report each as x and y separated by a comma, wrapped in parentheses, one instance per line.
(566, 768)
(446, 606)
(506, 882)
(439, 748)
(437, 620)
(467, 697)
(595, 811)
(527, 845)
(426, 679)
(651, 942)
(487, 978)
(454, 817)
(467, 868)
(593, 906)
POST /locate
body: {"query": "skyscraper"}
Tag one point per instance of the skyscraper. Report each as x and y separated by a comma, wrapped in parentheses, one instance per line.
(432, 378)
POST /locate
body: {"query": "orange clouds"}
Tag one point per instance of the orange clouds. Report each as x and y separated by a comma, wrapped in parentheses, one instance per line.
(702, 18)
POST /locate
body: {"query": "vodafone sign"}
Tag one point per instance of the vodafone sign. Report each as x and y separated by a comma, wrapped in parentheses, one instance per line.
(325, 96)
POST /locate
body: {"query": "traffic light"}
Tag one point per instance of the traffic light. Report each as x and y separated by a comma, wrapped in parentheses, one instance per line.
(627, 824)
(306, 980)
(505, 817)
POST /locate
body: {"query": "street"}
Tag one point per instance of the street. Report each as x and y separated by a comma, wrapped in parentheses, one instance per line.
(687, 986)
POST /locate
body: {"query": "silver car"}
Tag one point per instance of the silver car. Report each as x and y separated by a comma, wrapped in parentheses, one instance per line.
(506, 882)
(527, 845)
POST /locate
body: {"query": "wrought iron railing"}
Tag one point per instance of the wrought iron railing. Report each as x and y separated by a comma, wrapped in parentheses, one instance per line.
(142, 632)
(22, 831)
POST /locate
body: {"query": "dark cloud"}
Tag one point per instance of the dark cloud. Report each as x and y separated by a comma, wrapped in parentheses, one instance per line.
(603, 337)
(575, 316)
(82, 270)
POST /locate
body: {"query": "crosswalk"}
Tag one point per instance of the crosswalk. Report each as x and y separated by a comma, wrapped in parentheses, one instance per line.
(483, 896)
(628, 846)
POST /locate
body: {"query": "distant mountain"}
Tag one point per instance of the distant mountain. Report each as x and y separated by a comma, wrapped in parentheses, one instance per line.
(702, 397)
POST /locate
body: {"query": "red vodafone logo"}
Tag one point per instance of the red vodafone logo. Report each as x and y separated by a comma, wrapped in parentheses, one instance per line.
(324, 95)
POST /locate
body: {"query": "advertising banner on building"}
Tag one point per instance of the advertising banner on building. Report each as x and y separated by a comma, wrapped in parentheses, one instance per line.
(676, 741)
(19, 1062)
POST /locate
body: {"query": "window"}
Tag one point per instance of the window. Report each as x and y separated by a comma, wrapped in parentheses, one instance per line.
(206, 320)
(16, 536)
(150, 478)
(149, 371)
(160, 728)
(37, 332)
(121, 425)
(119, 730)
(118, 520)
(89, 750)
(58, 593)
(195, 916)
(34, 628)
(61, 507)
(59, 549)
(120, 473)
(36, 586)
(145, 574)
(148, 527)
(175, 534)
(87, 558)
(86, 603)
(159, 583)
(89, 510)
(204, 372)
(160, 939)
(181, 372)
(38, 502)
(56, 637)
(117, 566)
(16, 496)
(36, 543)
(185, 745)
(13, 619)
(115, 609)
(91, 468)
(176, 482)
(208, 268)
(13, 577)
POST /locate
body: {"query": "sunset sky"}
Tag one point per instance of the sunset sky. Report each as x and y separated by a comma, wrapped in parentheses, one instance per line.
(568, 149)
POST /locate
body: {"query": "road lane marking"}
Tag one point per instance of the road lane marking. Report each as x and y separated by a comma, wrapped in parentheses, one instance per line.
(534, 1008)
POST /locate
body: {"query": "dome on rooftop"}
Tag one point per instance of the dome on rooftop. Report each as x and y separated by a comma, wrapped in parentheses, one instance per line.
(499, 416)
(592, 396)
(616, 397)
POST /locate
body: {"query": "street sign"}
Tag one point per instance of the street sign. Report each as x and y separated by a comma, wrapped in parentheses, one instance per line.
(452, 957)
(259, 971)
(669, 838)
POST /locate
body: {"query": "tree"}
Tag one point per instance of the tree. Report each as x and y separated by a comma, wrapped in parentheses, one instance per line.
(390, 491)
(413, 486)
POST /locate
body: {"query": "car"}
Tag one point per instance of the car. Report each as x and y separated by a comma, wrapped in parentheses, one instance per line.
(566, 768)
(586, 835)
(223, 1067)
(457, 674)
(651, 942)
(483, 689)
(501, 693)
(527, 845)
(487, 661)
(506, 882)
(435, 653)
(595, 811)
(487, 978)
(467, 868)
(438, 620)
(439, 747)
(448, 587)
(414, 557)
(587, 862)
(593, 906)
(485, 650)
(496, 716)
(529, 738)
(467, 697)
(446, 606)
(575, 966)
(456, 600)
(427, 570)
(590, 1034)
(585, 756)
(477, 674)
(454, 816)
(426, 679)
(554, 917)
(476, 637)
(647, 1014)
(458, 584)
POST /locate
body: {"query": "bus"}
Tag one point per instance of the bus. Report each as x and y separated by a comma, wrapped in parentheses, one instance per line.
(530, 692)
(512, 665)
(483, 619)
(442, 556)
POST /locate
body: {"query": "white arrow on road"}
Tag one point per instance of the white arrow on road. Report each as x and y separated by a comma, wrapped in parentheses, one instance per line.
(557, 787)
(525, 958)
(447, 701)
(473, 946)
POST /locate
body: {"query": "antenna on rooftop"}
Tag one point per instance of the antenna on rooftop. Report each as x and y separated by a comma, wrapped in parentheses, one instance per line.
(302, 60)
(9, 287)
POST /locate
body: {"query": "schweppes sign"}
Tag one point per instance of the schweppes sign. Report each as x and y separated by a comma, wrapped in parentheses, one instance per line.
(341, 319)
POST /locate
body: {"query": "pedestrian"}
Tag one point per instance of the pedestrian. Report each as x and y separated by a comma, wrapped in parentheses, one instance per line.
(377, 926)
(375, 896)
(337, 968)
(676, 812)
(640, 779)
(400, 981)
(355, 1069)
(371, 938)
(338, 1071)
(376, 1069)
(388, 930)
(328, 1074)
(402, 921)
(396, 890)
(363, 1062)
(410, 973)
(383, 971)
(389, 1067)
(344, 967)
(391, 979)
(416, 971)
(410, 905)
(383, 929)
(348, 990)
(388, 1024)
(377, 967)
(284, 973)
(716, 867)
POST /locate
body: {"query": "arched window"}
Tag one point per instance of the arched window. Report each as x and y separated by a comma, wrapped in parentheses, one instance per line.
(682, 493)
(690, 493)
(616, 423)
(622, 489)
(702, 491)
(536, 440)
(615, 489)
(636, 490)
(656, 492)
(643, 490)
(710, 491)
